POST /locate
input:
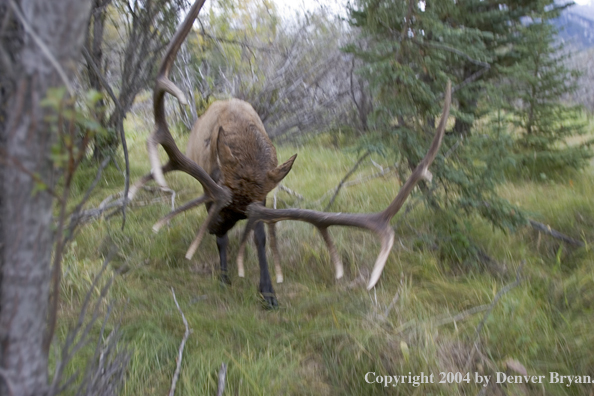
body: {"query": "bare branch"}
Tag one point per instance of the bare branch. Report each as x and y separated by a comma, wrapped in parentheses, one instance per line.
(181, 346)
(554, 233)
(498, 296)
(120, 127)
(222, 375)
(76, 215)
(345, 178)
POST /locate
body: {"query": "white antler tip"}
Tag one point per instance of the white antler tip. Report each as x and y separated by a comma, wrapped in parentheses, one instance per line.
(380, 263)
(426, 175)
(339, 271)
(240, 268)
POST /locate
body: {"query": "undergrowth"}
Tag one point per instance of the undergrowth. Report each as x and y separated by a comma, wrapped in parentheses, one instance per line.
(328, 334)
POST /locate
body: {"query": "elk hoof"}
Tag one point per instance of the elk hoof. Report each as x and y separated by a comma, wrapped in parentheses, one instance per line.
(269, 300)
(225, 280)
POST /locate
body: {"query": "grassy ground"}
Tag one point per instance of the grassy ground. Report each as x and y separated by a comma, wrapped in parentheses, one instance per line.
(327, 334)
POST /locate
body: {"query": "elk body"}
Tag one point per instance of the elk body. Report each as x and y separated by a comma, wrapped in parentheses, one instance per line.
(231, 156)
(230, 143)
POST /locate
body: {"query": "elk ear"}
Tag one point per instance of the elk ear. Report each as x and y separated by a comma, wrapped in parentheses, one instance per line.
(279, 173)
(224, 152)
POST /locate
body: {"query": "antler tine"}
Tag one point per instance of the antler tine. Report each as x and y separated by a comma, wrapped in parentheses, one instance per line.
(196, 242)
(145, 179)
(161, 134)
(421, 171)
(189, 205)
(334, 256)
(220, 196)
(379, 222)
(163, 84)
(240, 252)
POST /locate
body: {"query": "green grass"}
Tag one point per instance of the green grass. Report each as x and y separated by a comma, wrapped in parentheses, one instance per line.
(328, 334)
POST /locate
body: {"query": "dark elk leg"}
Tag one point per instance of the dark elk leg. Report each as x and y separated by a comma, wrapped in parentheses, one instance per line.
(222, 242)
(265, 287)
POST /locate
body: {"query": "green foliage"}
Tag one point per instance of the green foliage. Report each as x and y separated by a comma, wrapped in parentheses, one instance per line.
(544, 124)
(410, 54)
(76, 124)
(496, 60)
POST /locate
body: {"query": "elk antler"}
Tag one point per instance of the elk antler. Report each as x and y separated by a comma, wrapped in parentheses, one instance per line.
(220, 196)
(376, 222)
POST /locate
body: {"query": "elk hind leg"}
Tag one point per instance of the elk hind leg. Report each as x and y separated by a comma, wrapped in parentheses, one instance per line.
(265, 287)
(275, 256)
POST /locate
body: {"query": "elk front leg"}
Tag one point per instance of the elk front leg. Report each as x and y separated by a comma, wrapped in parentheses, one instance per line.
(222, 243)
(265, 288)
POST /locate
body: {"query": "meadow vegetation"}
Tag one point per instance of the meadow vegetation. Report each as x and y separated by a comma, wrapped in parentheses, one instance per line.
(422, 317)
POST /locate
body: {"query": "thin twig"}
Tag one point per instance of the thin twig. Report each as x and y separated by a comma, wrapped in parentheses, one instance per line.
(76, 213)
(491, 306)
(461, 315)
(282, 187)
(70, 347)
(120, 127)
(392, 303)
(127, 173)
(222, 375)
(554, 233)
(181, 346)
(344, 179)
(236, 42)
(46, 51)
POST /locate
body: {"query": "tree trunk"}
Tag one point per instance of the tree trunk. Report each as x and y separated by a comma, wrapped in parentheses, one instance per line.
(25, 212)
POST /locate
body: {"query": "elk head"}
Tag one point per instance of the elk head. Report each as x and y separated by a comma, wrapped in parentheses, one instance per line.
(237, 168)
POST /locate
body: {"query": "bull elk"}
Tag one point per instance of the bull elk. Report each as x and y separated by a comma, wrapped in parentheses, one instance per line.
(231, 156)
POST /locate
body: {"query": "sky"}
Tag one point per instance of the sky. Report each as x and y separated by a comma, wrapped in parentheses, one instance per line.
(336, 6)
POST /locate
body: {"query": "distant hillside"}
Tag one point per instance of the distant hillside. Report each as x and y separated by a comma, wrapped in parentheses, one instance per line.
(576, 26)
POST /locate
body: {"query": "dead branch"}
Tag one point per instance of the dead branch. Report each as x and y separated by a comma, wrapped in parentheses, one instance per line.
(104, 373)
(76, 213)
(286, 189)
(120, 127)
(554, 233)
(222, 375)
(461, 315)
(181, 347)
(392, 303)
(344, 179)
(82, 216)
(491, 306)
(376, 175)
(361, 180)
(237, 42)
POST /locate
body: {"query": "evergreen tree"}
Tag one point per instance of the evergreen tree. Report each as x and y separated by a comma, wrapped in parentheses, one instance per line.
(538, 81)
(412, 49)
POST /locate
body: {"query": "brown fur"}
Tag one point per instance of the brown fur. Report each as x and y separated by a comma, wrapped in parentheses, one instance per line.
(230, 143)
